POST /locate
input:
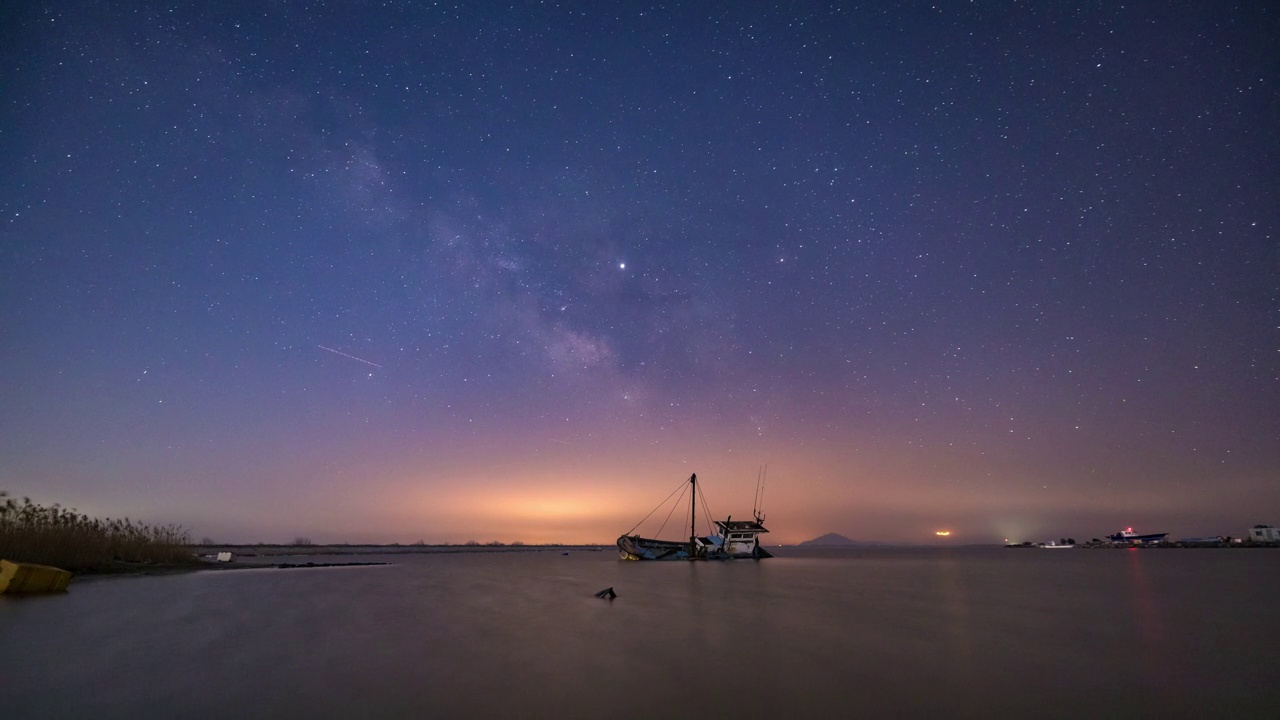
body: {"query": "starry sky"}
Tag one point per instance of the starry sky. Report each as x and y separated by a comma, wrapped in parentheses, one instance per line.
(390, 272)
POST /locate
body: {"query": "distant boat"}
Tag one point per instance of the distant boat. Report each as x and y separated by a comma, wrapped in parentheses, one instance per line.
(1051, 545)
(1129, 536)
(734, 539)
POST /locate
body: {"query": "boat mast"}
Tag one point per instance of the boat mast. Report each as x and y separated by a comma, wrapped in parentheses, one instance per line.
(693, 512)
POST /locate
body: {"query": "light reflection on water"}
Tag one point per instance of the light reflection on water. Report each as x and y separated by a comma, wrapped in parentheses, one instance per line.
(865, 633)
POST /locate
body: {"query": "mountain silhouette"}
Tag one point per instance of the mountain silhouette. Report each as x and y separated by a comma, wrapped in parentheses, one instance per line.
(837, 540)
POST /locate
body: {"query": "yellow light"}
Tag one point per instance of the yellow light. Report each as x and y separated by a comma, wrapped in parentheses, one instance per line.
(943, 533)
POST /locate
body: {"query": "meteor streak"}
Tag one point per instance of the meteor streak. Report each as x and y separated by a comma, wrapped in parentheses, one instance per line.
(353, 357)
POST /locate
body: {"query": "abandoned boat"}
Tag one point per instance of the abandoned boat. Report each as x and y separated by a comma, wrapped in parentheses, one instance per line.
(1127, 535)
(732, 539)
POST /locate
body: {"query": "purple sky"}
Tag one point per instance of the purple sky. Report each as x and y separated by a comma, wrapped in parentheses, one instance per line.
(493, 272)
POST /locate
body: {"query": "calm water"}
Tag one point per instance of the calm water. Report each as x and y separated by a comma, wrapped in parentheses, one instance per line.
(873, 633)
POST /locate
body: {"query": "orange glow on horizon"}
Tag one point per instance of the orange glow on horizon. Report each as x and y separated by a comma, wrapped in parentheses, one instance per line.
(535, 509)
(943, 533)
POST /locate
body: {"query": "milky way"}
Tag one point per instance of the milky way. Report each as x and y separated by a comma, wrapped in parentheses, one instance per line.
(1002, 269)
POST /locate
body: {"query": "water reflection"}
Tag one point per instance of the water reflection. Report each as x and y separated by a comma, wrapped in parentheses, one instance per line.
(1146, 611)
(1166, 670)
(958, 624)
(864, 634)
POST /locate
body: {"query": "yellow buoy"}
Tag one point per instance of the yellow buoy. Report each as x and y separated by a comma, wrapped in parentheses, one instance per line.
(18, 577)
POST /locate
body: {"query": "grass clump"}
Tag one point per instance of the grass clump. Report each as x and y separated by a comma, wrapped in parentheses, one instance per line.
(62, 537)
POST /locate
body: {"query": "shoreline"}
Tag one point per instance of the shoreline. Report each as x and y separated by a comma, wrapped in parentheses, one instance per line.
(336, 549)
(123, 570)
(264, 557)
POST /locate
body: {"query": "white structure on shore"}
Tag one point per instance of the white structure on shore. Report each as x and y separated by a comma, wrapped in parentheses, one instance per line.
(1264, 533)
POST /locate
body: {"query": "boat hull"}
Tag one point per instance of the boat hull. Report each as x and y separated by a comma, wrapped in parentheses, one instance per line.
(1130, 537)
(634, 547)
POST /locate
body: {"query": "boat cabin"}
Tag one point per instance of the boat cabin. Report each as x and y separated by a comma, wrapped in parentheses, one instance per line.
(739, 538)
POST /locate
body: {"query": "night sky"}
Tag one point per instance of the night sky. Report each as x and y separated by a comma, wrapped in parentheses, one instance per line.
(432, 271)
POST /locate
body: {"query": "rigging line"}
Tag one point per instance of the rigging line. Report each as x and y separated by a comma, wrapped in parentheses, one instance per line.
(679, 488)
(760, 496)
(755, 499)
(761, 472)
(706, 512)
(670, 512)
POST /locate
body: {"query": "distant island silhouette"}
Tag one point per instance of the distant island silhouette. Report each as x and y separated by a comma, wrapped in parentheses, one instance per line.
(838, 540)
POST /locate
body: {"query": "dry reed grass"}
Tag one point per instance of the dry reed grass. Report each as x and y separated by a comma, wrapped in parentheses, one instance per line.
(62, 537)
